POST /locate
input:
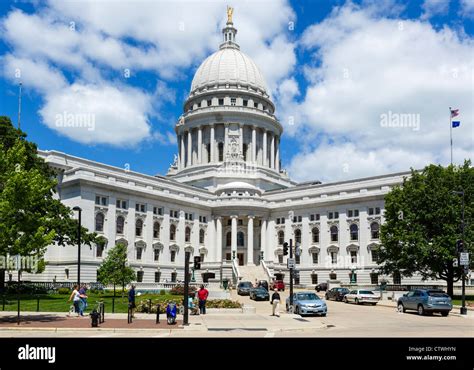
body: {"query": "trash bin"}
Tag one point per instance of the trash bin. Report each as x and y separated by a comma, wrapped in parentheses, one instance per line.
(225, 283)
(94, 318)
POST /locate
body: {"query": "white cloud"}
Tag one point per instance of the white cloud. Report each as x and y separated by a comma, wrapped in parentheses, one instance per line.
(467, 8)
(370, 66)
(434, 7)
(98, 114)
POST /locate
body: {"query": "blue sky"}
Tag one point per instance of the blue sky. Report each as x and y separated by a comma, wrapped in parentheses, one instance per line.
(333, 68)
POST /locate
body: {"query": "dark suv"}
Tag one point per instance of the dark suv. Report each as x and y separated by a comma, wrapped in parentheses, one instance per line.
(321, 286)
(336, 293)
(244, 288)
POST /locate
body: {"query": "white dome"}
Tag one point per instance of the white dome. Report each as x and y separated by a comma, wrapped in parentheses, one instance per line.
(228, 66)
(238, 185)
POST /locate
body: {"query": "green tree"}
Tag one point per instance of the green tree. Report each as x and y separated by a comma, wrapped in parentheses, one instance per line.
(114, 269)
(423, 223)
(31, 218)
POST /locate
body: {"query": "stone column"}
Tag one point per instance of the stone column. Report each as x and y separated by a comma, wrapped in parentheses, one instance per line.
(264, 160)
(250, 241)
(199, 149)
(254, 144)
(190, 149)
(233, 244)
(218, 243)
(272, 152)
(277, 155)
(226, 139)
(263, 238)
(212, 144)
(183, 152)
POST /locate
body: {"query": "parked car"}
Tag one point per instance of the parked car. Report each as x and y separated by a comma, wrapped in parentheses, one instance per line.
(278, 285)
(336, 293)
(305, 303)
(426, 301)
(322, 286)
(361, 296)
(244, 287)
(263, 284)
(259, 294)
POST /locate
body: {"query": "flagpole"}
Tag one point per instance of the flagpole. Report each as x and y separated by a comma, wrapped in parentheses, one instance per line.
(451, 133)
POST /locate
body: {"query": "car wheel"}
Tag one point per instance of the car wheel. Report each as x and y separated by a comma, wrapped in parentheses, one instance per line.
(297, 310)
(401, 308)
(445, 313)
(287, 308)
(326, 296)
(345, 300)
(421, 310)
(323, 315)
(357, 301)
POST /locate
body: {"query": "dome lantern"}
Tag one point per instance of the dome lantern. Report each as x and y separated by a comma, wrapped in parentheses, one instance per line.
(229, 32)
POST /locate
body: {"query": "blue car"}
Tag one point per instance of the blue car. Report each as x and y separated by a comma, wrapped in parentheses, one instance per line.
(426, 301)
(306, 303)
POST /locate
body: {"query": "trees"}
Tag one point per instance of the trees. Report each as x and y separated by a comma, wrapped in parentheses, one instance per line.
(114, 269)
(31, 218)
(423, 222)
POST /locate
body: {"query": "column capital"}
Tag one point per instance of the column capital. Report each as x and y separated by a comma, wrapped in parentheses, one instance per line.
(250, 217)
(234, 216)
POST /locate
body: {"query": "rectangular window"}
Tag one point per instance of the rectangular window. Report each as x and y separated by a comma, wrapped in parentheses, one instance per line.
(333, 257)
(374, 278)
(174, 275)
(330, 215)
(245, 103)
(375, 255)
(297, 259)
(173, 256)
(158, 211)
(294, 219)
(397, 278)
(356, 213)
(353, 256)
(209, 103)
(173, 214)
(349, 213)
(203, 219)
(122, 204)
(280, 258)
(377, 210)
(336, 215)
(282, 220)
(156, 255)
(371, 211)
(157, 277)
(314, 278)
(139, 276)
(100, 200)
(233, 101)
(221, 101)
(139, 253)
(99, 250)
(315, 257)
(255, 104)
(240, 222)
(97, 200)
(140, 207)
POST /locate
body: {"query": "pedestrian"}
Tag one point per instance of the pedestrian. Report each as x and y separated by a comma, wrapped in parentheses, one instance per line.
(83, 296)
(256, 284)
(202, 295)
(76, 299)
(131, 300)
(275, 302)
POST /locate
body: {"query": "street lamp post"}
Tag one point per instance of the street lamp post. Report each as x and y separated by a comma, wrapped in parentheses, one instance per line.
(79, 210)
(463, 310)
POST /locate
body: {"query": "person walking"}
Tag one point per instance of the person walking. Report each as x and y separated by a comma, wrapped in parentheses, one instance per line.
(76, 300)
(275, 301)
(202, 295)
(83, 296)
(131, 300)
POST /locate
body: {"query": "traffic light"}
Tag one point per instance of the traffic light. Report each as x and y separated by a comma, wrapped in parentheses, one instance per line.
(285, 248)
(459, 246)
(197, 262)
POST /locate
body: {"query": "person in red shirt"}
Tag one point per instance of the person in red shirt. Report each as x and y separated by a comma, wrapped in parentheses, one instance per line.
(202, 295)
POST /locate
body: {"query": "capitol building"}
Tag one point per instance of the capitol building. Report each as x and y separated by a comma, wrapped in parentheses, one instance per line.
(225, 198)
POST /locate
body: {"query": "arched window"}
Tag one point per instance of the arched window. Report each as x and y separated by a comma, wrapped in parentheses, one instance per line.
(245, 147)
(99, 222)
(172, 232)
(298, 236)
(281, 237)
(220, 148)
(315, 234)
(240, 239)
(374, 230)
(138, 227)
(334, 233)
(354, 230)
(201, 236)
(156, 230)
(120, 223)
(187, 234)
(228, 239)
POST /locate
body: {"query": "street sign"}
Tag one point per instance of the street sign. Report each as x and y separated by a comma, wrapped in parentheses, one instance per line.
(464, 259)
(291, 263)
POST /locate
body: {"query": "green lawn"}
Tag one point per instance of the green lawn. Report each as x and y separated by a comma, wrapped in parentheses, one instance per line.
(459, 302)
(59, 303)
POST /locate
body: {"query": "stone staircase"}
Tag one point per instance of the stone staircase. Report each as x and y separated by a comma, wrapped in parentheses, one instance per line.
(252, 273)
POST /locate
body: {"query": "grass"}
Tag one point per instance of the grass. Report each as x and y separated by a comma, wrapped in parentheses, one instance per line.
(59, 302)
(458, 302)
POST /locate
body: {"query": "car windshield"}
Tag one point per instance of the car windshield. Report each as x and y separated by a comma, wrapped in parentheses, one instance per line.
(307, 297)
(261, 290)
(365, 292)
(437, 293)
(245, 285)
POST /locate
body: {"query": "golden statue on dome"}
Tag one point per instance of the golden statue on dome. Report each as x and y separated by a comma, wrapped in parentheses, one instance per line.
(230, 11)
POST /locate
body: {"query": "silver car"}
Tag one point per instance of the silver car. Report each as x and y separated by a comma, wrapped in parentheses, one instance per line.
(306, 303)
(361, 296)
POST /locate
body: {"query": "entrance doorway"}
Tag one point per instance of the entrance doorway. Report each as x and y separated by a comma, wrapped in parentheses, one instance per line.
(240, 257)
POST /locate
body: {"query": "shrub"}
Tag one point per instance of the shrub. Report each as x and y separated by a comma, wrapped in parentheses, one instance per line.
(64, 290)
(179, 290)
(25, 288)
(162, 292)
(223, 303)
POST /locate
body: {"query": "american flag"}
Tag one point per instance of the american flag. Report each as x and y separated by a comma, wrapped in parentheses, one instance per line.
(454, 113)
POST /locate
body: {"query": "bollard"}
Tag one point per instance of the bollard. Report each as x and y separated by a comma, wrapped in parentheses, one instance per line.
(37, 304)
(102, 312)
(158, 313)
(129, 318)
